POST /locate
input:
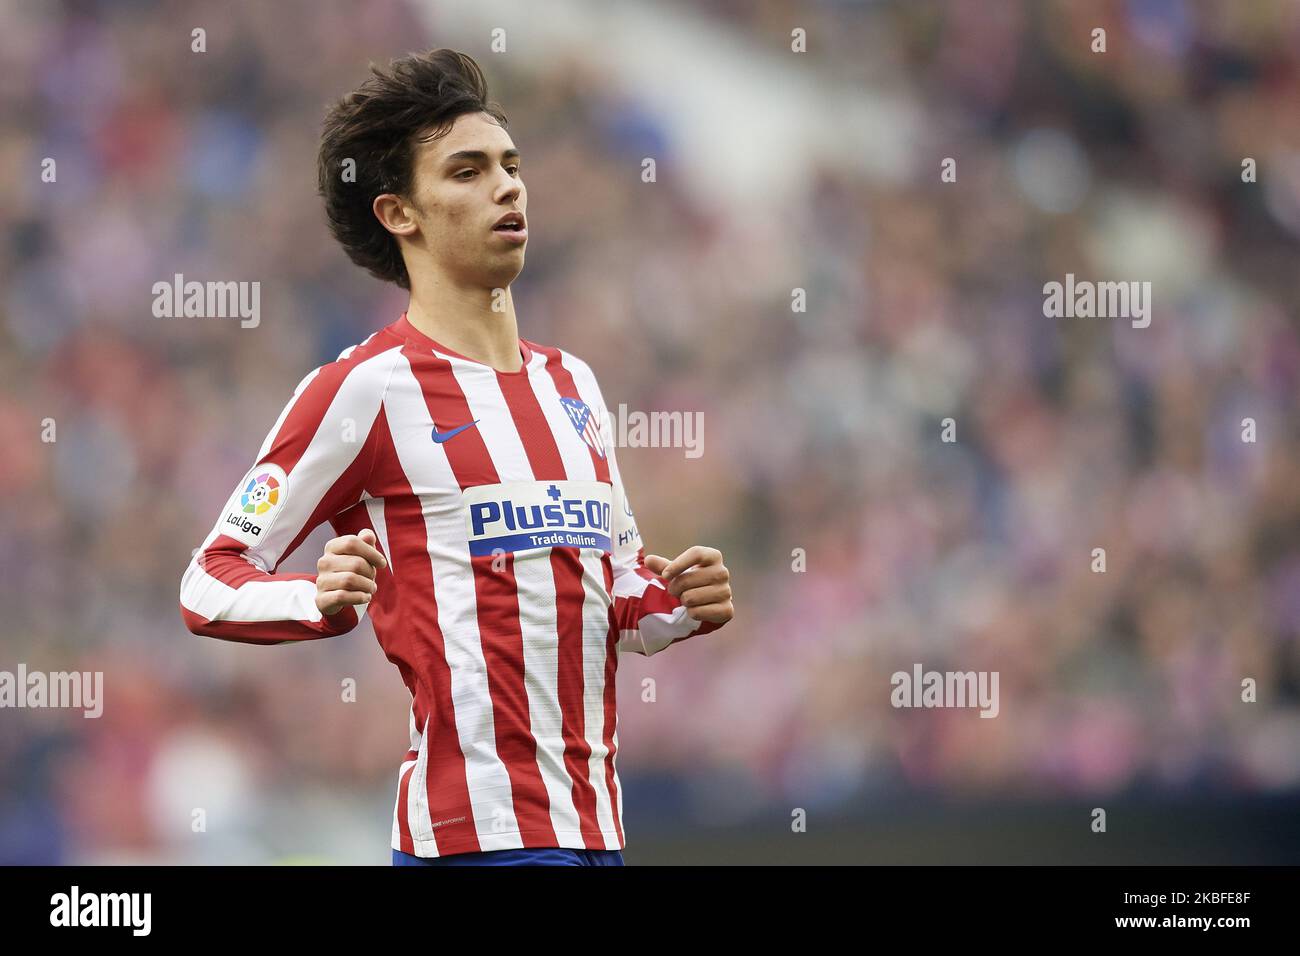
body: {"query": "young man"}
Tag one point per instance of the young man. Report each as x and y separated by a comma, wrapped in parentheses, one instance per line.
(471, 479)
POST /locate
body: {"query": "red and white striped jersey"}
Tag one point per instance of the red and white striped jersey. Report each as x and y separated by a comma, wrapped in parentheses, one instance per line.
(515, 577)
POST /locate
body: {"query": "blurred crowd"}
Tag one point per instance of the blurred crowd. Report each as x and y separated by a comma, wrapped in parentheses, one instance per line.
(860, 542)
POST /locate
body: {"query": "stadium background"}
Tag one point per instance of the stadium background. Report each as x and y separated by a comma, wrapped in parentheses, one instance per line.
(775, 170)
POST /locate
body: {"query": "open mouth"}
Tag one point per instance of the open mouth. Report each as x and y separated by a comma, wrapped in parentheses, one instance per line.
(512, 229)
(512, 223)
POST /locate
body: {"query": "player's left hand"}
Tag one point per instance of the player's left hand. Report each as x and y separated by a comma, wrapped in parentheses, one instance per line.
(698, 578)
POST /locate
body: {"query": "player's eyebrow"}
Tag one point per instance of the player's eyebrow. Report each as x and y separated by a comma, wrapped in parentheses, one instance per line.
(477, 155)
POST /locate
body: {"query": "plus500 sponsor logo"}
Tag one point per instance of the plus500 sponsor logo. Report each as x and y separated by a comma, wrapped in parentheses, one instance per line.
(521, 516)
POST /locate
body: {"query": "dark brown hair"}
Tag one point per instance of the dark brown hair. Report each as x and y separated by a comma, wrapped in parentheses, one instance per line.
(378, 126)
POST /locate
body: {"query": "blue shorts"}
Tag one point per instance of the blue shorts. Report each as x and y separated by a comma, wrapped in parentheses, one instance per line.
(538, 856)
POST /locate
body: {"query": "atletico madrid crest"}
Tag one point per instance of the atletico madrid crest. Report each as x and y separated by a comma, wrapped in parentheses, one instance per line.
(585, 423)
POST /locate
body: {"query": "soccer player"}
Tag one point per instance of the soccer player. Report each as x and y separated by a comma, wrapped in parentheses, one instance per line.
(471, 479)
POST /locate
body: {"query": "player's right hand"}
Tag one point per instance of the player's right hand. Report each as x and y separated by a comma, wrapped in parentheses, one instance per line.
(345, 573)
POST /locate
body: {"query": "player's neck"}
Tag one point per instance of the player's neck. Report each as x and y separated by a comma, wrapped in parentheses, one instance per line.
(464, 321)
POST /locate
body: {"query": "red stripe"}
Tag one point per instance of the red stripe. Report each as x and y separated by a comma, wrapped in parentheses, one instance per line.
(418, 644)
(498, 614)
(566, 569)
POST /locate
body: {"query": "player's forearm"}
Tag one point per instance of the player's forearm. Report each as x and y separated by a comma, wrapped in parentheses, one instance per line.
(226, 597)
(270, 632)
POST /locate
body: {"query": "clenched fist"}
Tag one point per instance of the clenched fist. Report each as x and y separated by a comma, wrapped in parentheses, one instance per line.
(345, 573)
(698, 578)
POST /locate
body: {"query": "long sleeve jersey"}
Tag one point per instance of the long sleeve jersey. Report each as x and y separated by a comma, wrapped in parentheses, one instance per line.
(515, 577)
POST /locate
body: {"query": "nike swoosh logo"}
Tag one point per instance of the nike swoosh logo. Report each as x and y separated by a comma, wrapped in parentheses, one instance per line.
(441, 437)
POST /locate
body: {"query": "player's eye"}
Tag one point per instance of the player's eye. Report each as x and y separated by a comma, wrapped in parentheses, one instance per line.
(514, 170)
(461, 174)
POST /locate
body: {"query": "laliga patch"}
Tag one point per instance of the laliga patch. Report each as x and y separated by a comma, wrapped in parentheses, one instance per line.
(255, 504)
(525, 515)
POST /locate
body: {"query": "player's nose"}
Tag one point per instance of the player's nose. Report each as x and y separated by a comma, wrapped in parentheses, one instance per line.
(510, 189)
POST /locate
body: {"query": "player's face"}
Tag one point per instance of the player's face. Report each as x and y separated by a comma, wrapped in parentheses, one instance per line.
(464, 182)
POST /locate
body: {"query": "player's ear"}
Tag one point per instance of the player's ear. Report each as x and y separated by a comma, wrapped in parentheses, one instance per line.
(395, 214)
